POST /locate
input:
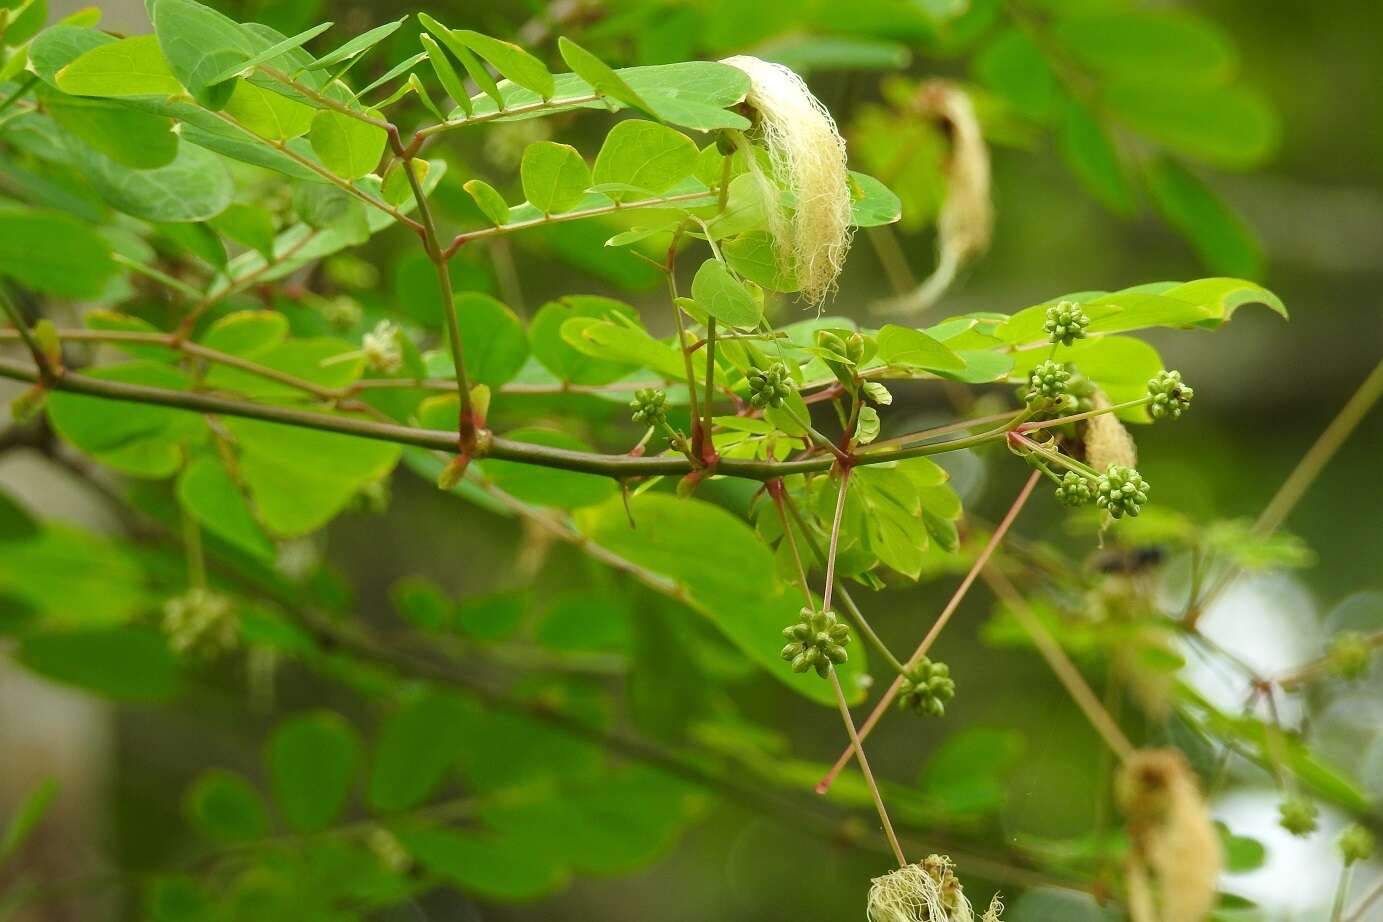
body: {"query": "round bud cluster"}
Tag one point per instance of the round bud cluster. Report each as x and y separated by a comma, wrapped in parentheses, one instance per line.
(1047, 382)
(381, 348)
(649, 406)
(1066, 322)
(1074, 490)
(769, 387)
(1348, 656)
(1297, 815)
(817, 641)
(1170, 397)
(201, 622)
(926, 688)
(1356, 844)
(1121, 491)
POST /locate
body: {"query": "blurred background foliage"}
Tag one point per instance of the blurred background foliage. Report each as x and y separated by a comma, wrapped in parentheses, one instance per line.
(1131, 142)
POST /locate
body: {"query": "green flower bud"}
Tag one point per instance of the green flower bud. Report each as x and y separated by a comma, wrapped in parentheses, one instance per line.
(1298, 815)
(770, 387)
(1349, 655)
(1356, 844)
(1170, 397)
(926, 688)
(1121, 491)
(817, 640)
(1047, 382)
(1066, 322)
(649, 406)
(1074, 490)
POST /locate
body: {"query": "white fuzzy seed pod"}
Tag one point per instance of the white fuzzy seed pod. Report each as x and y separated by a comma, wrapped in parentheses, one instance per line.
(808, 157)
(927, 891)
(1174, 862)
(966, 222)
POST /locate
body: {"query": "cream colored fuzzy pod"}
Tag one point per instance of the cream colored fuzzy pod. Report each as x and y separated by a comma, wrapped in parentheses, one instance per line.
(808, 157)
(1174, 860)
(1107, 440)
(966, 222)
(927, 891)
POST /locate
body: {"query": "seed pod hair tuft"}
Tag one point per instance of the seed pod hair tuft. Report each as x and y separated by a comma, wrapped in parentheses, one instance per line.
(808, 157)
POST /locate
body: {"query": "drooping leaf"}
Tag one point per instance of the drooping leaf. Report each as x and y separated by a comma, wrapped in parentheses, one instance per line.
(226, 808)
(1219, 235)
(127, 67)
(125, 663)
(905, 347)
(418, 745)
(312, 761)
(488, 200)
(53, 253)
(493, 341)
(510, 60)
(602, 78)
(728, 575)
(268, 114)
(555, 177)
(644, 155)
(194, 187)
(199, 45)
(356, 46)
(725, 297)
(207, 491)
(347, 146)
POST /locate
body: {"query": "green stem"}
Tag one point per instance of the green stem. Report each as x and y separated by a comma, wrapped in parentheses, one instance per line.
(481, 233)
(192, 550)
(865, 770)
(158, 275)
(1089, 414)
(486, 445)
(710, 376)
(1341, 892)
(46, 372)
(846, 601)
(19, 91)
(480, 118)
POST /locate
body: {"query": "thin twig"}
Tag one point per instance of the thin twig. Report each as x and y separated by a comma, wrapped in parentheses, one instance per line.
(858, 748)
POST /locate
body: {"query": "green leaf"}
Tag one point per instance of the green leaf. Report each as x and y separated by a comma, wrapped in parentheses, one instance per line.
(546, 486)
(1219, 235)
(268, 114)
(1015, 68)
(127, 67)
(278, 49)
(1165, 45)
(494, 867)
(1228, 127)
(966, 774)
(56, 47)
(347, 146)
(446, 74)
(727, 573)
(645, 155)
(1221, 297)
(27, 816)
(418, 745)
(227, 809)
(72, 580)
(904, 347)
(474, 68)
(621, 341)
(129, 137)
(488, 200)
(194, 187)
(312, 761)
(555, 178)
(248, 225)
(872, 203)
(754, 256)
(142, 440)
(207, 491)
(199, 45)
(246, 332)
(356, 46)
(602, 78)
(1093, 159)
(53, 253)
(123, 663)
(510, 60)
(557, 355)
(725, 297)
(493, 341)
(300, 478)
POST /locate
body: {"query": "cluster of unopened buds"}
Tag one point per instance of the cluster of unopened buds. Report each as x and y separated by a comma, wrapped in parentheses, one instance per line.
(201, 622)
(1170, 397)
(1066, 322)
(769, 387)
(1047, 382)
(1121, 491)
(816, 641)
(926, 687)
(1298, 816)
(649, 406)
